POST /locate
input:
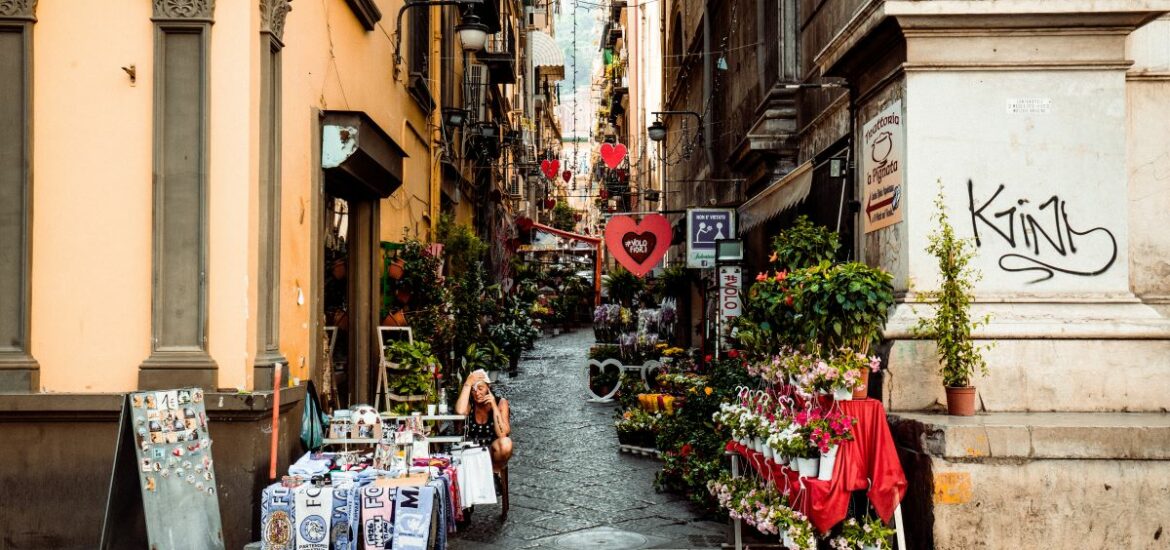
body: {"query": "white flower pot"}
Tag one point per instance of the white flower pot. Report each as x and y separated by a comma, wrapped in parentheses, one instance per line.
(768, 452)
(787, 540)
(783, 460)
(828, 460)
(843, 394)
(808, 467)
(756, 446)
(871, 547)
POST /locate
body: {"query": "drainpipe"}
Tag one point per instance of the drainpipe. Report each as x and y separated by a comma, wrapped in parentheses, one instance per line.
(708, 79)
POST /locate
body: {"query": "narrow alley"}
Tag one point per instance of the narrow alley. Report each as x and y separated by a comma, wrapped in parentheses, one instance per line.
(570, 486)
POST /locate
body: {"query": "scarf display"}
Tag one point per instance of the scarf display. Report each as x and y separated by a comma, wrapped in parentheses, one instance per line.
(341, 536)
(276, 518)
(377, 517)
(412, 518)
(314, 512)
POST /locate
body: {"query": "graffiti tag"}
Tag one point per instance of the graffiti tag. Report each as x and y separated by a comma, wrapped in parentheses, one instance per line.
(1034, 232)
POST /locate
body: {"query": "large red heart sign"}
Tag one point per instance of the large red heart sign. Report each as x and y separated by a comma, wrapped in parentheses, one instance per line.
(638, 246)
(550, 168)
(613, 155)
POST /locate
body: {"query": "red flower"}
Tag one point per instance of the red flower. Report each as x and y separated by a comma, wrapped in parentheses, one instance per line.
(734, 354)
(788, 300)
(686, 450)
(707, 358)
(761, 277)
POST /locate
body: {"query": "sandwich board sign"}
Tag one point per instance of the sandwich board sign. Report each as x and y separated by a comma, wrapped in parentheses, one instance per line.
(163, 491)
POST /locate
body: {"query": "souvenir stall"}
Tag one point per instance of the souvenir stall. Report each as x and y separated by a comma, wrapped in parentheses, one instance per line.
(379, 485)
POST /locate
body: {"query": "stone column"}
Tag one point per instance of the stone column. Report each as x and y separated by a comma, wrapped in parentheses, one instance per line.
(179, 354)
(1020, 111)
(19, 372)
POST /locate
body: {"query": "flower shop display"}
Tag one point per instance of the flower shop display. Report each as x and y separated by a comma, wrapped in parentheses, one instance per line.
(951, 324)
(803, 422)
(637, 427)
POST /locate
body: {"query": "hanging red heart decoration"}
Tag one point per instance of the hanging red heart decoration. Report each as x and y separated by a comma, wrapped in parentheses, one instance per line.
(638, 246)
(613, 155)
(550, 168)
(566, 175)
(604, 194)
(549, 203)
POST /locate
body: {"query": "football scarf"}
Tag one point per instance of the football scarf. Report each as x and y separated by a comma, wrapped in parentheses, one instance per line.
(314, 510)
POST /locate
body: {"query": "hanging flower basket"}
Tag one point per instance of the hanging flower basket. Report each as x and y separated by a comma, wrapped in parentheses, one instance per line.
(395, 319)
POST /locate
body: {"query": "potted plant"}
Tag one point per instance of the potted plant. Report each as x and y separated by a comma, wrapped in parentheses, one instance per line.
(414, 363)
(869, 534)
(951, 324)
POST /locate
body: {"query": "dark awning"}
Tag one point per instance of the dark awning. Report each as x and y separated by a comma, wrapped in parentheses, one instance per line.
(359, 159)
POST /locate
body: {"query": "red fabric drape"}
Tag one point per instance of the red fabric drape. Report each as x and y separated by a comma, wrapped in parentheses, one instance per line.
(871, 456)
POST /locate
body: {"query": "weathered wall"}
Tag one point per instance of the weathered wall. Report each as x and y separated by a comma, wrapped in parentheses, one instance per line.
(1051, 504)
(62, 447)
(1148, 161)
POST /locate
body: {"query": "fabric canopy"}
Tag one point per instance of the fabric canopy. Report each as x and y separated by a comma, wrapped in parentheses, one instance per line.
(546, 55)
(783, 194)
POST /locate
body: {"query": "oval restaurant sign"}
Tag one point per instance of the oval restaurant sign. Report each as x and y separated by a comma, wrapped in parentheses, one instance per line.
(883, 167)
(638, 246)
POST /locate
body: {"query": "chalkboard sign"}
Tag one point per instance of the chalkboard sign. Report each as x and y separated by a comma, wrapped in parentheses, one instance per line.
(162, 491)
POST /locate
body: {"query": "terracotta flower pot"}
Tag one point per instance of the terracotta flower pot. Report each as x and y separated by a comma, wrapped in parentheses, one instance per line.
(395, 319)
(961, 401)
(396, 269)
(862, 391)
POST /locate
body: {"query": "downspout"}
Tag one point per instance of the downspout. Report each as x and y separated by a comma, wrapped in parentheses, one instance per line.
(708, 79)
(436, 119)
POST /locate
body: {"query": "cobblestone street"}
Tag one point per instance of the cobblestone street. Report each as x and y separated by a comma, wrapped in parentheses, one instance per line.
(570, 486)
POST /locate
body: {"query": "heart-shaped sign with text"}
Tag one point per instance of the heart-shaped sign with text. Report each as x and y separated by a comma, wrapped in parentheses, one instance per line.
(550, 168)
(613, 155)
(638, 246)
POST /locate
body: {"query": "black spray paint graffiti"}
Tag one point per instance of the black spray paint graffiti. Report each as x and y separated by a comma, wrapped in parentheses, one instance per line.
(1035, 229)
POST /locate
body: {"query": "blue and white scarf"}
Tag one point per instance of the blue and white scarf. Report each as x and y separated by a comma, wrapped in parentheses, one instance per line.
(412, 517)
(314, 510)
(276, 518)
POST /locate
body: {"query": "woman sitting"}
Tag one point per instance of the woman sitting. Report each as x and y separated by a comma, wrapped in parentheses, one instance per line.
(488, 418)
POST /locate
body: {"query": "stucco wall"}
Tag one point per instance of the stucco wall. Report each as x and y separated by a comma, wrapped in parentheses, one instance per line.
(91, 195)
(91, 275)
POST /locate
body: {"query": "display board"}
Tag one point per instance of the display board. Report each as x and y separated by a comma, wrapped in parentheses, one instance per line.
(163, 490)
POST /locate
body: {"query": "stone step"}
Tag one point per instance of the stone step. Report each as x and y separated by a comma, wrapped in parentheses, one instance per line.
(1035, 436)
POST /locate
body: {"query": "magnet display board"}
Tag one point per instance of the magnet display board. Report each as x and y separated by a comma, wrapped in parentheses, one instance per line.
(163, 490)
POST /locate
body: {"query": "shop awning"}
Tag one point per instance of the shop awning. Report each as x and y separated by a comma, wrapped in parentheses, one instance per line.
(547, 57)
(359, 158)
(783, 194)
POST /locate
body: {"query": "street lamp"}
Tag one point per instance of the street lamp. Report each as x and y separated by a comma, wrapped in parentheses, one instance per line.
(454, 117)
(472, 31)
(657, 131)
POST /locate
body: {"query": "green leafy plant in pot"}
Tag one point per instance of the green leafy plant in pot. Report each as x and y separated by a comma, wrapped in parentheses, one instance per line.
(951, 324)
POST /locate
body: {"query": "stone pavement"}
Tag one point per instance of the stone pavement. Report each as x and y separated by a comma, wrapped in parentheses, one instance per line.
(570, 486)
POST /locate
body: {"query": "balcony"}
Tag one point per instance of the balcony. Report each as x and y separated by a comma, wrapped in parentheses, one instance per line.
(499, 54)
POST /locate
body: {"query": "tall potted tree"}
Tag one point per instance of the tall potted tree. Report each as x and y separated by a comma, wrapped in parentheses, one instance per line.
(951, 325)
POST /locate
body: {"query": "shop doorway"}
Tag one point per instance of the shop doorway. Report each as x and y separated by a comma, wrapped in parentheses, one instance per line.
(350, 292)
(361, 165)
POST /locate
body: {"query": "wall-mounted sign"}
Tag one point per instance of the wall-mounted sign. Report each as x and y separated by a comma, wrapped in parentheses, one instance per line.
(638, 246)
(705, 227)
(730, 283)
(883, 160)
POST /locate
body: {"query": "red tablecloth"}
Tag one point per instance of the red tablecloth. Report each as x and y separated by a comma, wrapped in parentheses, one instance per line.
(870, 456)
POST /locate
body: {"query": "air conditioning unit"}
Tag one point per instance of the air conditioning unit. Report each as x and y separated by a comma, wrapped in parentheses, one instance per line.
(475, 90)
(536, 18)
